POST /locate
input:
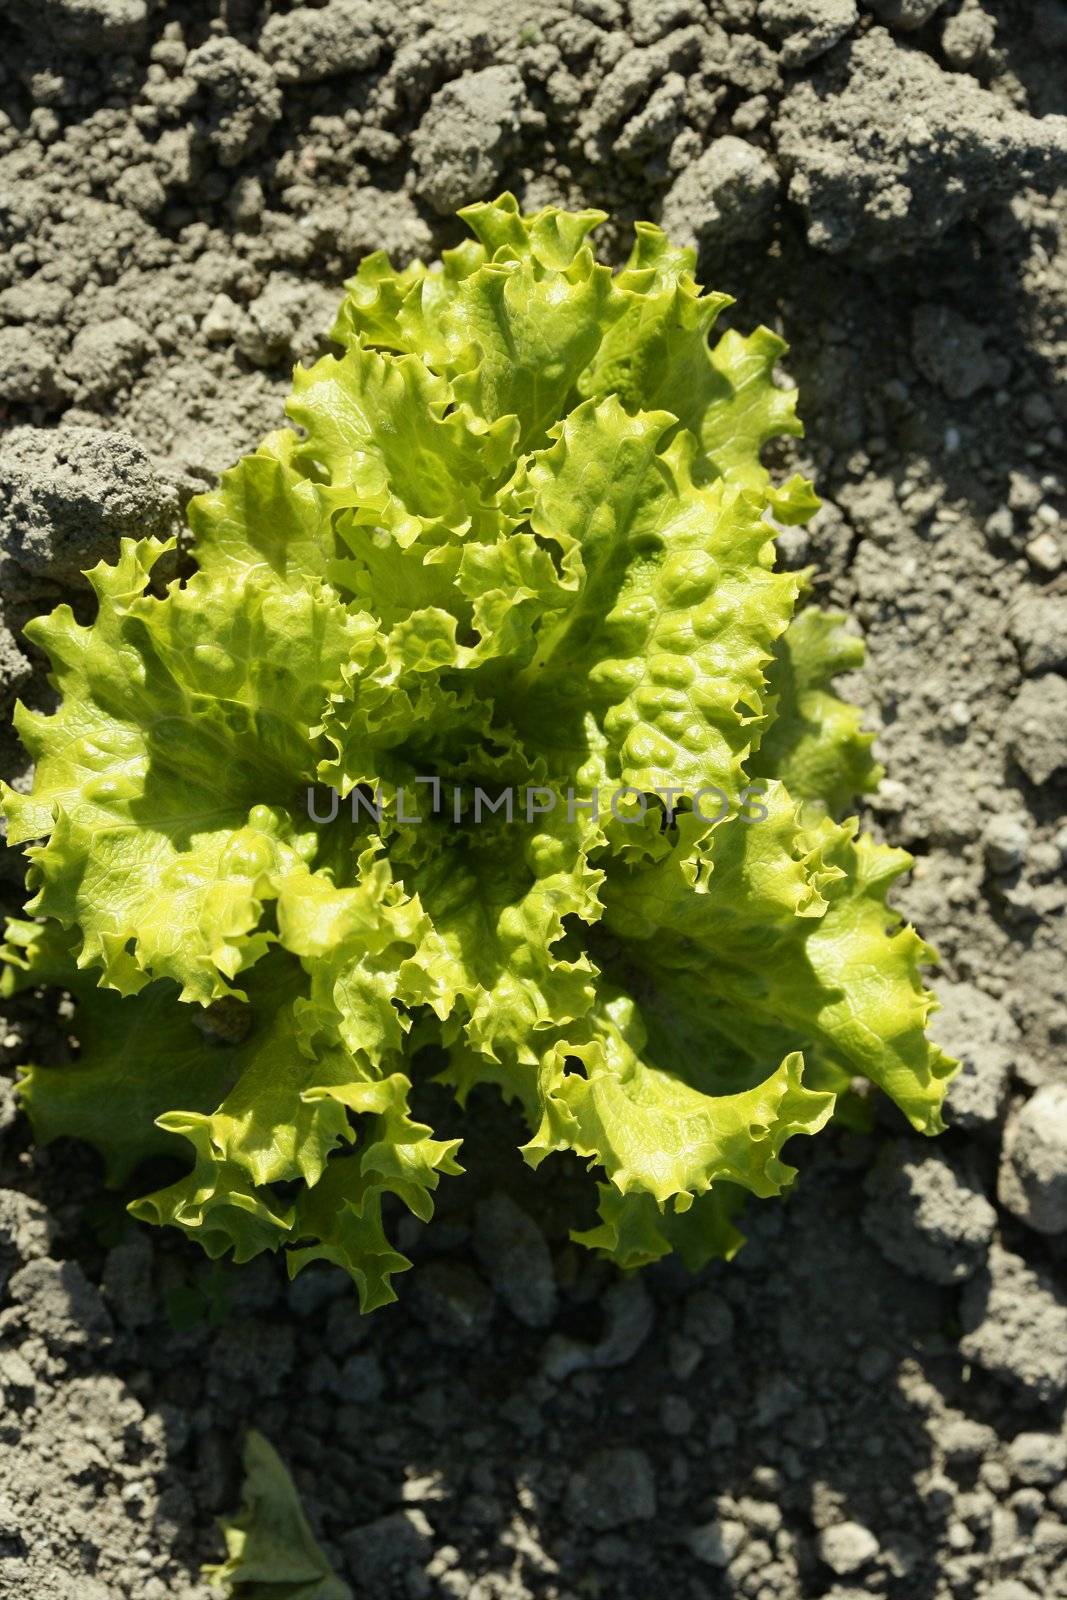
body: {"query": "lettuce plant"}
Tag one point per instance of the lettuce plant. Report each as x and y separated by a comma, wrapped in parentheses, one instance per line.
(518, 541)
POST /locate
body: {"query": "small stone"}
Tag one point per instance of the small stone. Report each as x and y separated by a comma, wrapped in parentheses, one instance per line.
(927, 1213)
(308, 46)
(963, 1440)
(107, 356)
(361, 1380)
(56, 1301)
(515, 1257)
(708, 1318)
(242, 97)
(139, 188)
(454, 1304)
(87, 26)
(717, 1542)
(1037, 624)
(67, 495)
(968, 37)
(1015, 1326)
(466, 136)
(1000, 525)
(845, 1547)
(25, 1232)
(1035, 728)
(1032, 1182)
(1045, 554)
(950, 351)
(221, 320)
(628, 1314)
(979, 1032)
(29, 374)
(390, 1548)
(726, 197)
(806, 29)
(127, 1281)
(287, 321)
(615, 1488)
(1005, 841)
(904, 14)
(1038, 1458)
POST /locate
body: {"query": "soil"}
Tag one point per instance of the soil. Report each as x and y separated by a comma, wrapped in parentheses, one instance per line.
(870, 1399)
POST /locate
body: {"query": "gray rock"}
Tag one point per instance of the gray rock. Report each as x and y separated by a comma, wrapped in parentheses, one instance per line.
(629, 1316)
(1005, 842)
(926, 1212)
(392, 1547)
(35, 300)
(127, 1281)
(845, 1547)
(469, 130)
(904, 14)
(454, 1304)
(139, 188)
(254, 1354)
(107, 356)
(1039, 1458)
(616, 1487)
(1037, 624)
(717, 1542)
(806, 29)
(962, 1440)
(708, 1318)
(8, 1103)
(306, 46)
(651, 19)
(29, 374)
(85, 25)
(1032, 1182)
(949, 351)
(1035, 728)
(980, 1032)
(56, 1301)
(15, 670)
(1015, 1325)
(288, 320)
(634, 78)
(516, 1259)
(885, 151)
(243, 100)
(968, 37)
(726, 197)
(25, 1232)
(68, 495)
(361, 1380)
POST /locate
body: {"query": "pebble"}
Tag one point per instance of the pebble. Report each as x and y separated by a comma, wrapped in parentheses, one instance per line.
(452, 1301)
(615, 1488)
(724, 198)
(56, 1301)
(1005, 842)
(391, 1546)
(1038, 1458)
(1045, 554)
(516, 1259)
(1035, 727)
(1037, 624)
(717, 1542)
(1032, 1182)
(927, 1213)
(845, 1547)
(1015, 1325)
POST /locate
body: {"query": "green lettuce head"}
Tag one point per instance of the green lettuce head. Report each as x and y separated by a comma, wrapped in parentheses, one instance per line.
(516, 547)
